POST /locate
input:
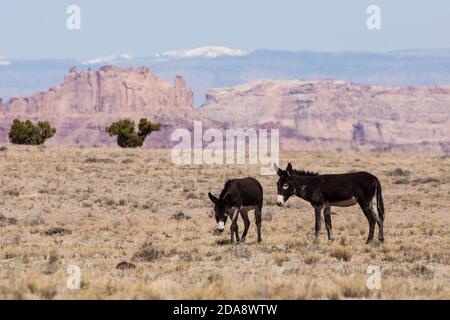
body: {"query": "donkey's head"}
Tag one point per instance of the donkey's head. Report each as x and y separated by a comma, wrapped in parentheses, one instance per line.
(285, 185)
(221, 210)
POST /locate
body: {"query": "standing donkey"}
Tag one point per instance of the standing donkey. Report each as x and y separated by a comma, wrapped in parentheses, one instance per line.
(238, 196)
(341, 190)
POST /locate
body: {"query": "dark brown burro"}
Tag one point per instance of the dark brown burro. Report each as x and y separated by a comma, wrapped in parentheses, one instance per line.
(238, 196)
(326, 190)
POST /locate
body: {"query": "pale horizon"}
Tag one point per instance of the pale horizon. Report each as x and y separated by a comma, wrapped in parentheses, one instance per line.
(119, 55)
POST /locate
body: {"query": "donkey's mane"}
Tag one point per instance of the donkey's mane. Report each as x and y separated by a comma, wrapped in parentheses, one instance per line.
(304, 173)
(225, 187)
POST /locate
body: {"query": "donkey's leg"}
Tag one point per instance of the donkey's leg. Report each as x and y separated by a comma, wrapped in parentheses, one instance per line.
(379, 223)
(258, 220)
(236, 230)
(318, 211)
(327, 216)
(371, 219)
(380, 230)
(232, 231)
(234, 226)
(244, 215)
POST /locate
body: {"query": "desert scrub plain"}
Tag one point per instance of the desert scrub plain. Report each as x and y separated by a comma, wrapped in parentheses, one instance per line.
(96, 208)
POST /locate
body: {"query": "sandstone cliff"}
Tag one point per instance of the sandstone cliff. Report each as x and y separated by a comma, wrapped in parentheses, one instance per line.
(313, 115)
(86, 102)
(335, 115)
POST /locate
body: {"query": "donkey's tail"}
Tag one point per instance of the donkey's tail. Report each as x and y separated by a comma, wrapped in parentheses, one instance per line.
(380, 204)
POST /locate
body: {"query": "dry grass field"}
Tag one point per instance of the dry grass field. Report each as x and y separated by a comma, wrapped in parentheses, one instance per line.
(115, 205)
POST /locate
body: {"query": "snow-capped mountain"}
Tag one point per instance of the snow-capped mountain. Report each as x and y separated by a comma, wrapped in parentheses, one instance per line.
(202, 52)
(109, 59)
(4, 61)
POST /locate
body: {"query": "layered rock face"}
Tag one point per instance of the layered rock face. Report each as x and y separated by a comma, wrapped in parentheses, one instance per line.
(86, 102)
(311, 115)
(335, 115)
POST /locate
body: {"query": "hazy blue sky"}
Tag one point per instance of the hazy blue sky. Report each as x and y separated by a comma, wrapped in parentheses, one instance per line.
(37, 29)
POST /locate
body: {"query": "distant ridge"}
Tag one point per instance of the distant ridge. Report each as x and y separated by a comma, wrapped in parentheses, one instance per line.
(338, 116)
(396, 68)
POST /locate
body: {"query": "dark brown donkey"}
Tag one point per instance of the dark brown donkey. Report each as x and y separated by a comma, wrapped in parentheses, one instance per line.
(238, 196)
(326, 190)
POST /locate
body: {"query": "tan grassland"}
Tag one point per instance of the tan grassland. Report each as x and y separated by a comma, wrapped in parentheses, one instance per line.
(118, 205)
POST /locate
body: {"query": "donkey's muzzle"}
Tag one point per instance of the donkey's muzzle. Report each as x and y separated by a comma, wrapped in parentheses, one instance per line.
(280, 200)
(220, 226)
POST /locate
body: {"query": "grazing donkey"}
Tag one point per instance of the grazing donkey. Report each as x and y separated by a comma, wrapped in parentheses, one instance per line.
(326, 190)
(238, 196)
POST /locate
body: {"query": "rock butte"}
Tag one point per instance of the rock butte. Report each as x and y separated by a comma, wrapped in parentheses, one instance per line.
(312, 115)
(86, 102)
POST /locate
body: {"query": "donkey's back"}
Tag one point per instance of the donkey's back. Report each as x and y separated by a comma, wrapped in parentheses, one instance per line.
(361, 185)
(245, 192)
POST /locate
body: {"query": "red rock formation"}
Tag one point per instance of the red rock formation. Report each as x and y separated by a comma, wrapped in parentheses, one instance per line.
(318, 115)
(335, 115)
(86, 102)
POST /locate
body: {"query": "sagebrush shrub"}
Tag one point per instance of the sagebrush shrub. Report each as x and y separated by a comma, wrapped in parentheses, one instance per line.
(25, 132)
(127, 137)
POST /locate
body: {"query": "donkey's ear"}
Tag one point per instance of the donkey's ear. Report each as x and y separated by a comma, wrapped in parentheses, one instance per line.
(289, 169)
(212, 198)
(278, 170)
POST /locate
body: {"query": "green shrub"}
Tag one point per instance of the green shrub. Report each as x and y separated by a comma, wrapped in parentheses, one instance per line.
(25, 132)
(127, 137)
